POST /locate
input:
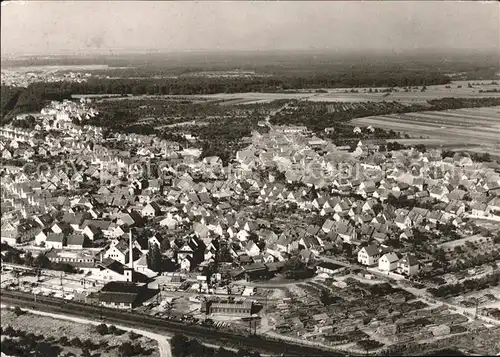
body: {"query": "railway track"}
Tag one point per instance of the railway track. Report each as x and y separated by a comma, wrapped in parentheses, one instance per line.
(158, 325)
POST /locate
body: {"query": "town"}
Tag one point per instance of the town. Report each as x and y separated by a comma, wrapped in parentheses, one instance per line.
(296, 238)
(24, 79)
(249, 178)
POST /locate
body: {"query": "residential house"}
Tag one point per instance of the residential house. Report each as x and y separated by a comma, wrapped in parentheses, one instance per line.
(388, 262)
(369, 255)
(75, 241)
(408, 265)
(55, 241)
(152, 209)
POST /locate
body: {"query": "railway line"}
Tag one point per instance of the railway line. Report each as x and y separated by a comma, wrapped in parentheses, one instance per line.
(159, 325)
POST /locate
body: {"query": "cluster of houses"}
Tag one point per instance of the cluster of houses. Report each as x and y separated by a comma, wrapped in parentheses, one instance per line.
(387, 260)
(198, 210)
(24, 79)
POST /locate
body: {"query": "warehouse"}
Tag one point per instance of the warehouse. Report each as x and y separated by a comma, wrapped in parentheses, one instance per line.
(242, 308)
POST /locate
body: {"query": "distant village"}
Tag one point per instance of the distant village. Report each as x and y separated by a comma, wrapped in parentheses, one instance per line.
(21, 79)
(128, 210)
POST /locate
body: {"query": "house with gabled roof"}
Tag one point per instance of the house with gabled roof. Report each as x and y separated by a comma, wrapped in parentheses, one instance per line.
(252, 249)
(286, 243)
(55, 240)
(113, 270)
(101, 224)
(61, 227)
(44, 220)
(403, 221)
(328, 225)
(388, 262)
(408, 265)
(75, 241)
(494, 206)
(91, 232)
(369, 255)
(346, 231)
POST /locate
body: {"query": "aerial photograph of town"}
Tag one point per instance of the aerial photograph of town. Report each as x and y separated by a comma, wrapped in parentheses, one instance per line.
(244, 179)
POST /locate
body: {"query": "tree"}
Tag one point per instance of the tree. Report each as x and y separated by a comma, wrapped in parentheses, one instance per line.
(75, 342)
(9, 331)
(180, 345)
(125, 349)
(154, 258)
(18, 311)
(133, 335)
(28, 259)
(102, 329)
(41, 261)
(294, 268)
(165, 244)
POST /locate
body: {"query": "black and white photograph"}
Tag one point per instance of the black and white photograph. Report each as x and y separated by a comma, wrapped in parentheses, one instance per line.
(250, 178)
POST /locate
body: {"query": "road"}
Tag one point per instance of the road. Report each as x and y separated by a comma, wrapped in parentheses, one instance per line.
(163, 344)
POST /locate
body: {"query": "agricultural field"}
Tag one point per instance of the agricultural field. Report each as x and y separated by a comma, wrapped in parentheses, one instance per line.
(463, 89)
(477, 89)
(479, 126)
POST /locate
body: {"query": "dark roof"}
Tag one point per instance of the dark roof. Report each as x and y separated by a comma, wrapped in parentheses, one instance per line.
(127, 298)
(75, 239)
(254, 267)
(96, 223)
(372, 250)
(55, 237)
(112, 265)
(328, 265)
(121, 287)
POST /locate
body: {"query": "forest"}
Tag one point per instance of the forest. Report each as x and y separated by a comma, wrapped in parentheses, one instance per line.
(33, 98)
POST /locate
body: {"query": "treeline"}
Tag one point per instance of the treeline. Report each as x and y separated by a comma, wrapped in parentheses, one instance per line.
(8, 99)
(466, 286)
(33, 95)
(186, 347)
(458, 103)
(206, 85)
(30, 99)
(316, 115)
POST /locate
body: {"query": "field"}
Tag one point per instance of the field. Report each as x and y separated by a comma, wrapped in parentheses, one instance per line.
(476, 126)
(53, 329)
(456, 89)
(415, 95)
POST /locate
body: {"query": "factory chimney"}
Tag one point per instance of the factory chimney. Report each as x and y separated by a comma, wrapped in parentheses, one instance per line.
(130, 251)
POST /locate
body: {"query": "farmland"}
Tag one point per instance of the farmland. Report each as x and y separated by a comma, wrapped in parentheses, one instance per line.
(476, 89)
(479, 126)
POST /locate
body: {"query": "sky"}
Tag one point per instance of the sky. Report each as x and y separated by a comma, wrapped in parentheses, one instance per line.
(66, 27)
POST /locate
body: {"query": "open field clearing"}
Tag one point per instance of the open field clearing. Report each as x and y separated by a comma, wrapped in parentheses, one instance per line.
(432, 92)
(469, 126)
(415, 95)
(340, 95)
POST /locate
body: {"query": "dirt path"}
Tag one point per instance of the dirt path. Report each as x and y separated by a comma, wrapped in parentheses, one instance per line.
(163, 343)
